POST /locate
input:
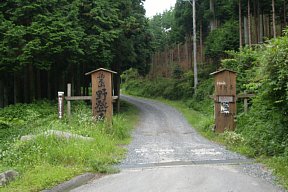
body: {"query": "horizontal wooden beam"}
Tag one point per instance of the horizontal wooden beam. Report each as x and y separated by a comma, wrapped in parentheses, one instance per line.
(240, 96)
(243, 96)
(78, 98)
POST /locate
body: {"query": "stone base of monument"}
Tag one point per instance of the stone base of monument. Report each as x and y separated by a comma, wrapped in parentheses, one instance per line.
(58, 134)
(7, 176)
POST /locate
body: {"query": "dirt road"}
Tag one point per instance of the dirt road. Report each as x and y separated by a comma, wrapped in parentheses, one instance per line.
(166, 154)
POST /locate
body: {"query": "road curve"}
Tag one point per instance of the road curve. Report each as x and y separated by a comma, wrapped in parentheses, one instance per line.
(163, 136)
(167, 154)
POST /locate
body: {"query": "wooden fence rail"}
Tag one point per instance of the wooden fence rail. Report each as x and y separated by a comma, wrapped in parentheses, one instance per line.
(241, 96)
(70, 98)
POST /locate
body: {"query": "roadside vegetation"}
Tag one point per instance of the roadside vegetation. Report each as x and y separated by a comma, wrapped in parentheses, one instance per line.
(46, 161)
(261, 133)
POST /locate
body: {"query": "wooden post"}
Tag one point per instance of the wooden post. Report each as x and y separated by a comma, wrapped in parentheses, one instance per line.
(60, 104)
(225, 100)
(69, 102)
(245, 103)
(102, 106)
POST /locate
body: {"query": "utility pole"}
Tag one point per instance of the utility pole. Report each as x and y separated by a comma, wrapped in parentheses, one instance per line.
(194, 43)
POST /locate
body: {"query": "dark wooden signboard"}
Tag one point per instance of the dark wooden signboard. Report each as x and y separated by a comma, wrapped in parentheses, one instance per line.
(225, 100)
(102, 106)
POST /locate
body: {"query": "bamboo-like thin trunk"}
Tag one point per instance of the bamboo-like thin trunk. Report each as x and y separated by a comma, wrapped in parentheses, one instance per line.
(84, 80)
(49, 84)
(261, 29)
(1, 94)
(249, 24)
(187, 54)
(273, 19)
(31, 82)
(25, 84)
(212, 10)
(246, 41)
(5, 93)
(201, 43)
(15, 87)
(38, 84)
(240, 25)
(256, 20)
(178, 53)
(284, 13)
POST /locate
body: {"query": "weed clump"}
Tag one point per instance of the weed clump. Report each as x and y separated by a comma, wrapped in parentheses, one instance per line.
(46, 160)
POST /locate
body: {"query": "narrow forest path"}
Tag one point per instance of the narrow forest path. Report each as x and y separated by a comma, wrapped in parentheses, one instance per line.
(167, 154)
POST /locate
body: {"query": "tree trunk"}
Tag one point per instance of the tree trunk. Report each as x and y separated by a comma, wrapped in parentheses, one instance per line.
(117, 90)
(31, 83)
(240, 25)
(201, 43)
(284, 13)
(188, 60)
(38, 84)
(246, 34)
(178, 53)
(212, 20)
(255, 5)
(25, 84)
(261, 29)
(49, 84)
(116, 85)
(15, 87)
(273, 19)
(83, 80)
(249, 24)
(77, 83)
(268, 26)
(1, 93)
(5, 95)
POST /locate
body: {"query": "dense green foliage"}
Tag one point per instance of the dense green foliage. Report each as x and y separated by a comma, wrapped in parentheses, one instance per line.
(161, 87)
(222, 39)
(178, 88)
(47, 160)
(263, 71)
(45, 44)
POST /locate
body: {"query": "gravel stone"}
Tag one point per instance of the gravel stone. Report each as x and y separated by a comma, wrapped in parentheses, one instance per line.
(164, 137)
(7, 176)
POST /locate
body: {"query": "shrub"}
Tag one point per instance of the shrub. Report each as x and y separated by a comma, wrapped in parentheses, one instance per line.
(222, 39)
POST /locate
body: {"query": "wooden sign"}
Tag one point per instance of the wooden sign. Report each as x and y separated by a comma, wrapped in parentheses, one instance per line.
(225, 100)
(102, 106)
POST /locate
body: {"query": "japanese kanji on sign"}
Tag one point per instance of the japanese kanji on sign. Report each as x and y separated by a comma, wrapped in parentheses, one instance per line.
(102, 106)
(225, 100)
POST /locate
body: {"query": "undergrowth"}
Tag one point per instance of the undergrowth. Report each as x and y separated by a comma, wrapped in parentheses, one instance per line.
(47, 160)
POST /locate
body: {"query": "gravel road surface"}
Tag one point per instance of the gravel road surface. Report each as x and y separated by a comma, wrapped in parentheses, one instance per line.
(167, 154)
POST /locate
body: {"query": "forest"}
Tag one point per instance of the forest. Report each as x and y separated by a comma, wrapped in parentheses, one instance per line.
(46, 44)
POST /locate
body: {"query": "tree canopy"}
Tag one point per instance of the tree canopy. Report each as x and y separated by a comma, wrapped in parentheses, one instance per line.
(45, 44)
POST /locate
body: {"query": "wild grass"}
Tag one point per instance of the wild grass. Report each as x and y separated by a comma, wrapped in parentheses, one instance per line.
(48, 160)
(280, 168)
